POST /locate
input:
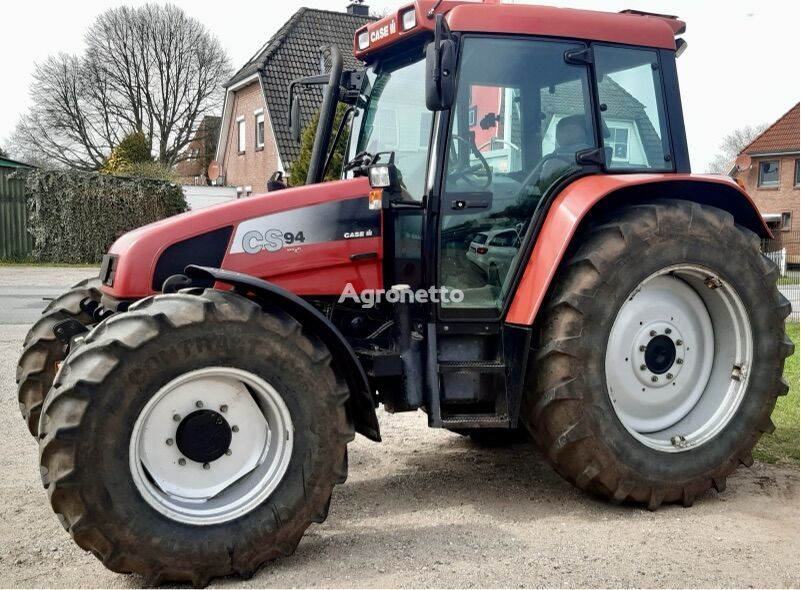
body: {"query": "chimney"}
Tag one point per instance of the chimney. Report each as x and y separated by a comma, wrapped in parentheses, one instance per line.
(358, 8)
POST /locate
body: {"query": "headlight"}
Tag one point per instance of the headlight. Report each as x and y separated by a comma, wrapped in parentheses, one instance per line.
(379, 176)
(363, 40)
(408, 19)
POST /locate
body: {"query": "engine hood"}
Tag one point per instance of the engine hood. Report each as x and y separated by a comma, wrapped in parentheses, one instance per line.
(312, 240)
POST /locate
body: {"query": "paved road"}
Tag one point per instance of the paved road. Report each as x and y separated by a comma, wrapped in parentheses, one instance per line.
(26, 290)
(426, 508)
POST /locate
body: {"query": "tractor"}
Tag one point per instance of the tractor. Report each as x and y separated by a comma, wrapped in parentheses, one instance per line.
(518, 202)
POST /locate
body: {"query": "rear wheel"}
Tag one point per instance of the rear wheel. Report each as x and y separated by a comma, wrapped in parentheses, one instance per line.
(194, 436)
(42, 351)
(660, 355)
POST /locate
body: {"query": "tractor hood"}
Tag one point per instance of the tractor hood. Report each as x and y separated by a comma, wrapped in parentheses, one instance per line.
(312, 240)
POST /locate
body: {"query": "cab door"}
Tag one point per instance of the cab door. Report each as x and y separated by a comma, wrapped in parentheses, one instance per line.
(522, 113)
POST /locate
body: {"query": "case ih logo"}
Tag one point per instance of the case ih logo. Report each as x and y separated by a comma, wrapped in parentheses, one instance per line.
(382, 32)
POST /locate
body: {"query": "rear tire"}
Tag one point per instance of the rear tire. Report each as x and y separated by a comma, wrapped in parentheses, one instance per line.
(573, 404)
(42, 351)
(89, 441)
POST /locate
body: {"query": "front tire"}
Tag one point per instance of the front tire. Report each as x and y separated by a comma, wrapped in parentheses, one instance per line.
(147, 437)
(622, 403)
(42, 351)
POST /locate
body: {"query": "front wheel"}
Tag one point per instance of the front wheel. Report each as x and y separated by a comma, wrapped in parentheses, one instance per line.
(194, 436)
(660, 355)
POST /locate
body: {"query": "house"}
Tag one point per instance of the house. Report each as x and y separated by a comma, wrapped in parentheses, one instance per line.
(193, 167)
(254, 138)
(767, 168)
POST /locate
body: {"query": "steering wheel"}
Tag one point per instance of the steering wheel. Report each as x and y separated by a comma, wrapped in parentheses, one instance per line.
(470, 172)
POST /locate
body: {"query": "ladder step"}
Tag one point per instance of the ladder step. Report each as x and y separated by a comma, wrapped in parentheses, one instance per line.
(471, 367)
(475, 420)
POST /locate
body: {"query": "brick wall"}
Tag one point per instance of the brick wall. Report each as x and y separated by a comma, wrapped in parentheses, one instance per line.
(254, 166)
(781, 199)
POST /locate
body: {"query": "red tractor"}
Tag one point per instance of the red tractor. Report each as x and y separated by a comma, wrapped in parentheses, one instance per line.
(518, 203)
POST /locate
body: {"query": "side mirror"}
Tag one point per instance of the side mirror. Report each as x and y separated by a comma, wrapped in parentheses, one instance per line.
(440, 69)
(294, 119)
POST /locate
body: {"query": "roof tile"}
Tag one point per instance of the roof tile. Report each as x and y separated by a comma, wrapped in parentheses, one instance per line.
(782, 136)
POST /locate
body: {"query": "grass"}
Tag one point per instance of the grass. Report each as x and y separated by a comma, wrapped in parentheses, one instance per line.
(782, 446)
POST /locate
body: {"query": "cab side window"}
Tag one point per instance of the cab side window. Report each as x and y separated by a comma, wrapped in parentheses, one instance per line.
(632, 108)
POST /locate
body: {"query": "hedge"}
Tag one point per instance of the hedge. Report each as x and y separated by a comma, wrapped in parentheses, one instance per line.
(75, 216)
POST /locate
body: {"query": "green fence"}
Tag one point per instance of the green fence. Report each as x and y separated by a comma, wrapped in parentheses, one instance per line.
(15, 241)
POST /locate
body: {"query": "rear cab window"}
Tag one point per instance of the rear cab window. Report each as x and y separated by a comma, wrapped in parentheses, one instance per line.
(632, 105)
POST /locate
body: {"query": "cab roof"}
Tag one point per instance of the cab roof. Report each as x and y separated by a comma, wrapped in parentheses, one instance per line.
(629, 27)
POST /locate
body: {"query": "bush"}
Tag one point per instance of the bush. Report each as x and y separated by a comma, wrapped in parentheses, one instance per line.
(75, 216)
(134, 149)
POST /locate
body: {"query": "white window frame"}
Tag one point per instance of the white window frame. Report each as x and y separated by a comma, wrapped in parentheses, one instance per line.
(259, 118)
(241, 130)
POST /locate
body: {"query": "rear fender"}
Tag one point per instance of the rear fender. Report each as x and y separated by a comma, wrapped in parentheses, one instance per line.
(361, 404)
(590, 195)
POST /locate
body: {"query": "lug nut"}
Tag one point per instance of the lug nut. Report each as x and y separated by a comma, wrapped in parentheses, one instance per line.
(223, 408)
(181, 461)
(198, 404)
(234, 428)
(679, 342)
(643, 367)
(668, 330)
(176, 417)
(642, 348)
(652, 333)
(670, 376)
(206, 466)
(228, 452)
(679, 361)
(654, 378)
(169, 442)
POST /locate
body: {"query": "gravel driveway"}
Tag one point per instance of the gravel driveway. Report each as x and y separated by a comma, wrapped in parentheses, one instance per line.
(428, 508)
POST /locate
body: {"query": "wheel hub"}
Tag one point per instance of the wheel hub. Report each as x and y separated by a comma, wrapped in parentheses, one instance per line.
(660, 354)
(203, 436)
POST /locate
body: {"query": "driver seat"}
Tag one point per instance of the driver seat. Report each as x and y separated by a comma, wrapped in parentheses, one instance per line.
(571, 137)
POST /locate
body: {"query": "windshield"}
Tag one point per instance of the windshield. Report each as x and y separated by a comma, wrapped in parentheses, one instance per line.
(395, 119)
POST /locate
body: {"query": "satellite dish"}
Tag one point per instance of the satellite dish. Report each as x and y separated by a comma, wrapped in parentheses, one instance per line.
(214, 170)
(743, 162)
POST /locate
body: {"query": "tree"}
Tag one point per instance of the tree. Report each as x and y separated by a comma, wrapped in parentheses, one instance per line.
(3, 153)
(300, 167)
(731, 146)
(150, 69)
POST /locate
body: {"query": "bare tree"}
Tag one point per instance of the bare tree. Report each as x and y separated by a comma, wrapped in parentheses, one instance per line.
(731, 146)
(150, 69)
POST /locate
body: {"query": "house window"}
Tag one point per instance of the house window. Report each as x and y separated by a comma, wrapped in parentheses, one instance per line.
(425, 129)
(769, 173)
(795, 174)
(385, 128)
(260, 130)
(787, 222)
(242, 137)
(471, 116)
(618, 141)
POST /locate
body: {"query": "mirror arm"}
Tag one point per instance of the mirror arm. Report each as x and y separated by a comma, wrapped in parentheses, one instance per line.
(338, 135)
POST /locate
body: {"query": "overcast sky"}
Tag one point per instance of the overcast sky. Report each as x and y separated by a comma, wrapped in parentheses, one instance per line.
(742, 65)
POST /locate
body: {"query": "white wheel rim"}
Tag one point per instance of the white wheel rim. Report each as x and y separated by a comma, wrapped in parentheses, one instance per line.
(678, 358)
(169, 474)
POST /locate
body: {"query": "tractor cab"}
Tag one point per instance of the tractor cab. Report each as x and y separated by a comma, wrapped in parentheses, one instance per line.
(466, 135)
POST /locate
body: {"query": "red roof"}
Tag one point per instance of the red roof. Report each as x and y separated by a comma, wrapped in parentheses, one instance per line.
(782, 136)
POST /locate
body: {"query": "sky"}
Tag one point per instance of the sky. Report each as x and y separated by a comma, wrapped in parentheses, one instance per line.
(741, 66)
